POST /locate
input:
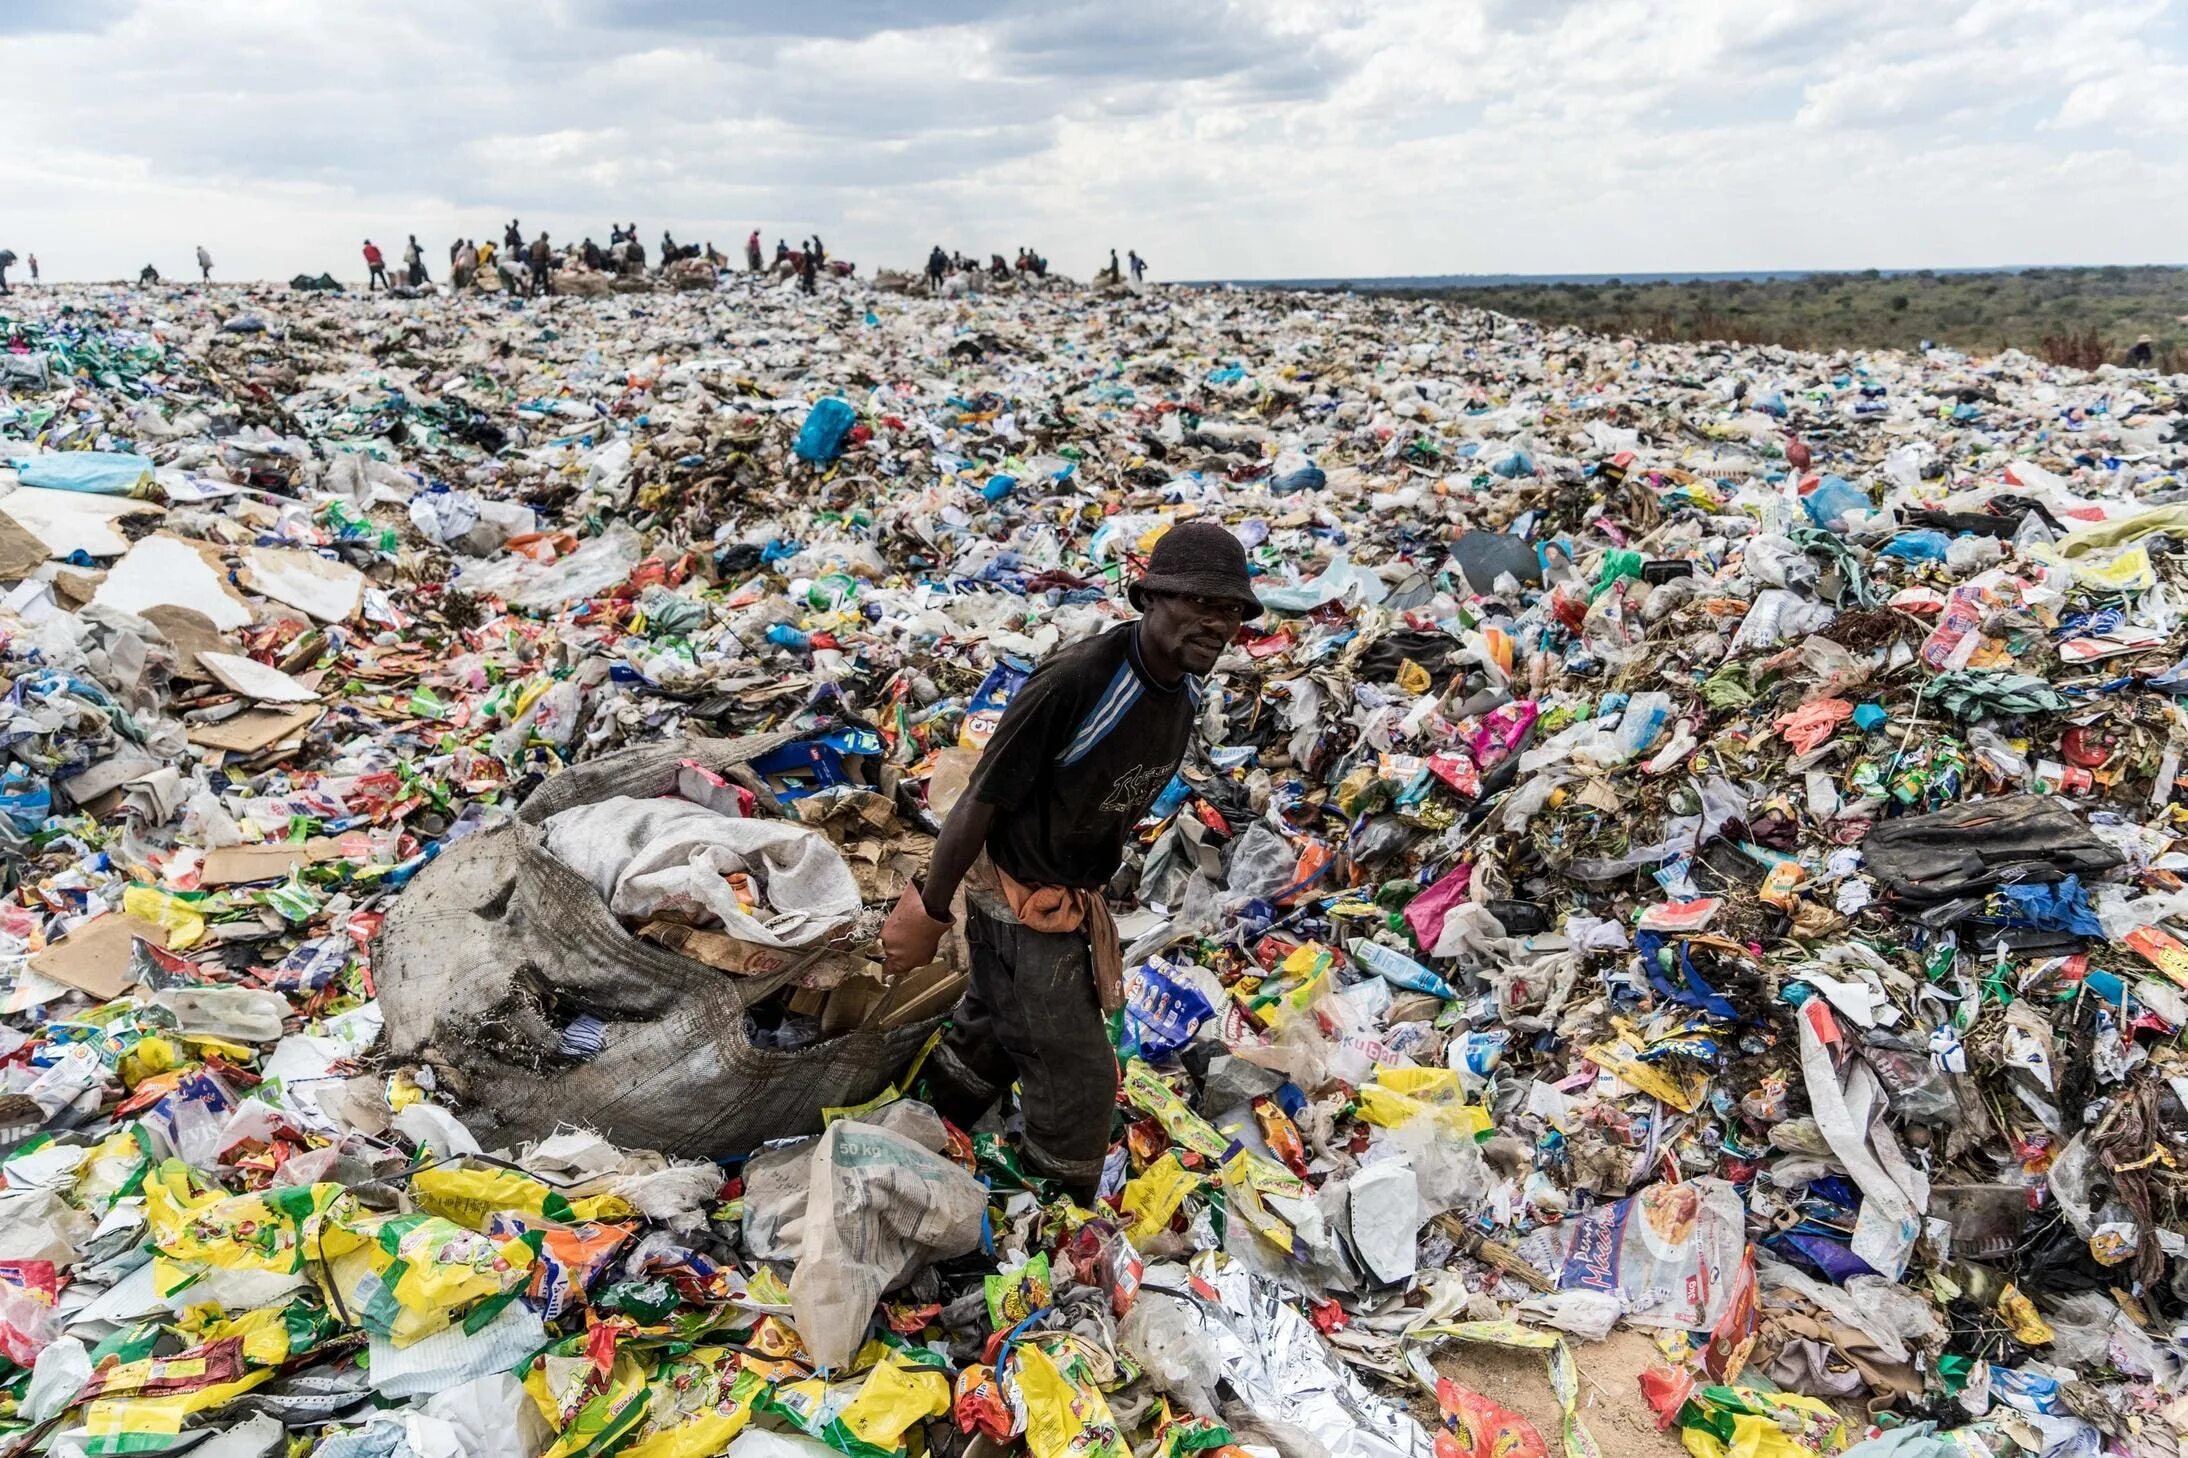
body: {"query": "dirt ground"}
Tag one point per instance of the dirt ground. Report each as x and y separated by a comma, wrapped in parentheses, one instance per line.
(1610, 1391)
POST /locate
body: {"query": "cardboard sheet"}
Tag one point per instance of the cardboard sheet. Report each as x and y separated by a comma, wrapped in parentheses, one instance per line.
(70, 521)
(235, 864)
(255, 680)
(164, 569)
(95, 957)
(255, 729)
(321, 587)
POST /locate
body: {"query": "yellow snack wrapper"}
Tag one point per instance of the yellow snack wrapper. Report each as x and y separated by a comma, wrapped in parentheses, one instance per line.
(1398, 1096)
(695, 1406)
(895, 1395)
(278, 1230)
(590, 1411)
(471, 1197)
(405, 1277)
(112, 1167)
(1245, 1189)
(1152, 1198)
(1684, 1094)
(180, 919)
(1064, 1418)
(270, 1335)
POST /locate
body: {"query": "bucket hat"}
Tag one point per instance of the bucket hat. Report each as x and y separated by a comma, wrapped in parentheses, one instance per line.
(1201, 558)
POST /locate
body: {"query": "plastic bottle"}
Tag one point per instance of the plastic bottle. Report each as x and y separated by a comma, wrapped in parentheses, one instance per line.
(782, 635)
(1396, 968)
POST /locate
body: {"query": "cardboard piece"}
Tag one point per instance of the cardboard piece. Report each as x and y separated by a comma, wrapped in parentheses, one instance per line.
(718, 949)
(188, 632)
(67, 522)
(255, 729)
(320, 587)
(95, 957)
(865, 1001)
(922, 993)
(255, 680)
(21, 553)
(234, 864)
(170, 570)
(74, 589)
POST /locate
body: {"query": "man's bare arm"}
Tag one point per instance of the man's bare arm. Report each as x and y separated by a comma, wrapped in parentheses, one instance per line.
(963, 834)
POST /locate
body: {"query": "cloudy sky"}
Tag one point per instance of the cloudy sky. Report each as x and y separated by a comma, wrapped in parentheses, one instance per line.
(1224, 138)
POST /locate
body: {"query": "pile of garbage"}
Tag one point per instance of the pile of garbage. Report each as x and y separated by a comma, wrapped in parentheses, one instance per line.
(1692, 847)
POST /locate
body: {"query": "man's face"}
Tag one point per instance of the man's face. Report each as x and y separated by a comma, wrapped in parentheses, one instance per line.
(1193, 629)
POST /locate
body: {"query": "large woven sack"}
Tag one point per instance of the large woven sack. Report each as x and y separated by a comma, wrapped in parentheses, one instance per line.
(496, 947)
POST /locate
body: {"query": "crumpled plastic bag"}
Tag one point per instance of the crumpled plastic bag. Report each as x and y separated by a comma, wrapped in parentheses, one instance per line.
(589, 571)
(99, 473)
(652, 858)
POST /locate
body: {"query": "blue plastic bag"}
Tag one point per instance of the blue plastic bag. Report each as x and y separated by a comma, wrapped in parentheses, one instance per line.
(25, 799)
(2059, 906)
(820, 439)
(1162, 1012)
(1514, 466)
(98, 473)
(1922, 546)
(1832, 499)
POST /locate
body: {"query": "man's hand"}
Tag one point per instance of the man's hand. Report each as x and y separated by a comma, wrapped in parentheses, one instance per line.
(910, 937)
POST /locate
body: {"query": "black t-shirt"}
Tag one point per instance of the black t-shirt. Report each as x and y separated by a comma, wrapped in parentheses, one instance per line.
(1082, 750)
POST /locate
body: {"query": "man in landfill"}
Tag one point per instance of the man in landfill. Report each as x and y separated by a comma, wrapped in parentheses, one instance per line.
(414, 262)
(7, 261)
(376, 263)
(752, 251)
(34, 268)
(1139, 267)
(205, 265)
(808, 270)
(1081, 753)
(541, 259)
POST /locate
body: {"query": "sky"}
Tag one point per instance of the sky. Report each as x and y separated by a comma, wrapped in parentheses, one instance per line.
(1222, 138)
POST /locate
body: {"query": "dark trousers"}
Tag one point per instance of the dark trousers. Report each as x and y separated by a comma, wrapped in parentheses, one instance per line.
(1031, 1016)
(378, 279)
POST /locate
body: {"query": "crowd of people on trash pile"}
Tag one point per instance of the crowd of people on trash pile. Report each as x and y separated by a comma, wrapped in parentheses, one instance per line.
(1671, 836)
(534, 266)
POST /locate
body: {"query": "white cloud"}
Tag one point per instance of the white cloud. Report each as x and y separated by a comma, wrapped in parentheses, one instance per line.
(1235, 138)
